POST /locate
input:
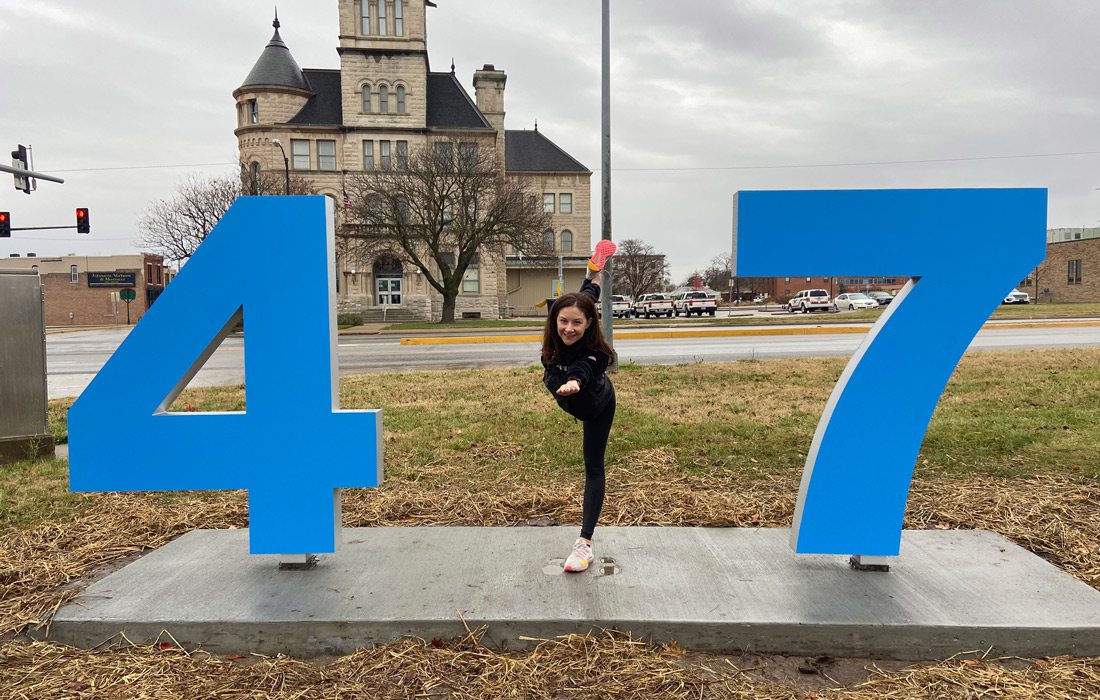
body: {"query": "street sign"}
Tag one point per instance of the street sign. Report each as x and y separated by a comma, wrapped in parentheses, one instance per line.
(127, 295)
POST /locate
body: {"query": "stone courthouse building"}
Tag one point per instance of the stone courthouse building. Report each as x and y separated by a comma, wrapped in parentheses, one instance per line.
(382, 104)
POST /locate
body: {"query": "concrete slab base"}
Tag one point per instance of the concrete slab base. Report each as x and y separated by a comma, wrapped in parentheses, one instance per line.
(707, 588)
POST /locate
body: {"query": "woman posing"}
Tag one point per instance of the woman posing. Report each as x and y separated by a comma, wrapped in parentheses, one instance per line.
(575, 357)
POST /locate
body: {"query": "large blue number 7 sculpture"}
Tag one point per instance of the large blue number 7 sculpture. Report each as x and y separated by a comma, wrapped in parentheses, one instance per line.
(965, 249)
(272, 259)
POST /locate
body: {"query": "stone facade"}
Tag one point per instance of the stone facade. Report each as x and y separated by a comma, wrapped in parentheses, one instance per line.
(390, 65)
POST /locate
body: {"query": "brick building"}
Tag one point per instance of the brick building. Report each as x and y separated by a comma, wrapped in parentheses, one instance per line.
(382, 104)
(83, 290)
(1069, 273)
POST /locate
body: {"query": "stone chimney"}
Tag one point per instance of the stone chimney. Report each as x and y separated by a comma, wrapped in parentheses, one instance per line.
(489, 95)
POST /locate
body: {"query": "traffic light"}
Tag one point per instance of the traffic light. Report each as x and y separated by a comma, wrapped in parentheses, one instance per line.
(83, 225)
(5, 224)
(19, 160)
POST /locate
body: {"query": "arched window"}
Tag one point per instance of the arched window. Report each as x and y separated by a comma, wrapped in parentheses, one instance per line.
(384, 99)
(567, 241)
(254, 174)
(366, 99)
(548, 238)
(400, 99)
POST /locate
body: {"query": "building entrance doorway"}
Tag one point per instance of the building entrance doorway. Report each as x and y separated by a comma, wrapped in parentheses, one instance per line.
(388, 281)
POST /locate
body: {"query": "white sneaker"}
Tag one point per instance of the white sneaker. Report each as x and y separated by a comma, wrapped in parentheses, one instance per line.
(580, 557)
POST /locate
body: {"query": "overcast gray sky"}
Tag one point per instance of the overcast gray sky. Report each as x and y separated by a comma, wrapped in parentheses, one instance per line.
(709, 97)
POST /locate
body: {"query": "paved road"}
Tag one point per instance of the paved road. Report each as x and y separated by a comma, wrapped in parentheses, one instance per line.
(73, 358)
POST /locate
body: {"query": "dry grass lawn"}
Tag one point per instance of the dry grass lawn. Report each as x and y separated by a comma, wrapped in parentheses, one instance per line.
(1013, 448)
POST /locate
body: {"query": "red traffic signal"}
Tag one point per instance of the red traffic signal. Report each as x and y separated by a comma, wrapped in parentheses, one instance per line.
(83, 225)
(5, 224)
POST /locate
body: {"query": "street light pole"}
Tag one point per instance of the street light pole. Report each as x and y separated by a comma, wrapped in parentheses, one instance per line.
(286, 166)
(605, 277)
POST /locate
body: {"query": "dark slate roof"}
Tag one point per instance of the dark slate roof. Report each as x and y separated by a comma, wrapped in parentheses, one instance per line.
(532, 152)
(276, 67)
(450, 107)
(325, 106)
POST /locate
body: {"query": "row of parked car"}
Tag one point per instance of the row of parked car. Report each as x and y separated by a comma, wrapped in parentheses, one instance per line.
(818, 300)
(658, 304)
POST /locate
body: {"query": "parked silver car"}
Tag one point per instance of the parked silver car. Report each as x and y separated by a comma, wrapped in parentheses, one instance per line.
(882, 298)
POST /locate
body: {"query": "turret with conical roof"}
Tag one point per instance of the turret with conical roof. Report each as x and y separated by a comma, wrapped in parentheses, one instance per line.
(276, 66)
(275, 90)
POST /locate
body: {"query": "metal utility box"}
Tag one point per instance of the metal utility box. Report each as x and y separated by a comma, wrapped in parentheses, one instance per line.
(23, 432)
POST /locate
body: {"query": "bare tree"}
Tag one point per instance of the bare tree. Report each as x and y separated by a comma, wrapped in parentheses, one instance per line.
(717, 274)
(438, 209)
(638, 269)
(176, 226)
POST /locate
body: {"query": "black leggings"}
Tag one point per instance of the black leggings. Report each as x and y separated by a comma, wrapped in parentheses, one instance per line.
(596, 432)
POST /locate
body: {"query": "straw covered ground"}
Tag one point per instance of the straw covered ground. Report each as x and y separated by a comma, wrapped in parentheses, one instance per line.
(1012, 449)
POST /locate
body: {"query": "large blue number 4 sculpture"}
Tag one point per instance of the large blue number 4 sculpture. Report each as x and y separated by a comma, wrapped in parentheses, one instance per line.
(964, 249)
(270, 259)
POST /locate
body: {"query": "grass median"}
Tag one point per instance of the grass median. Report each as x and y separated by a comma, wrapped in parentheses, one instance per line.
(1012, 448)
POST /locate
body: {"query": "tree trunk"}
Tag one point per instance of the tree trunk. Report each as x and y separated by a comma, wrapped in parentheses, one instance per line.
(448, 306)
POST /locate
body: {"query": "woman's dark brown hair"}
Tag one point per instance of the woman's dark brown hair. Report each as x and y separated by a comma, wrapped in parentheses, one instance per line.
(552, 345)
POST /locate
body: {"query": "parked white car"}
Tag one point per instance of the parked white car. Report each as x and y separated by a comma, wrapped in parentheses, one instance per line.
(810, 300)
(852, 301)
(1017, 297)
(690, 303)
(621, 306)
(653, 305)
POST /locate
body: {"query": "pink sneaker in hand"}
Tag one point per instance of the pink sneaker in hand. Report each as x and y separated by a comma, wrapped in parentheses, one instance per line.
(604, 250)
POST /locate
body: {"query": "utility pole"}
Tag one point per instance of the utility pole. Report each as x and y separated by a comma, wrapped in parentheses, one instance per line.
(605, 276)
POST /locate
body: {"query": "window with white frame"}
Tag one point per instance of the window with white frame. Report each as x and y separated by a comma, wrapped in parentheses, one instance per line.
(74, 275)
(368, 154)
(253, 112)
(548, 202)
(384, 155)
(567, 241)
(471, 278)
(398, 18)
(565, 203)
(299, 154)
(366, 17)
(402, 155)
(400, 90)
(384, 99)
(366, 99)
(326, 155)
(381, 12)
